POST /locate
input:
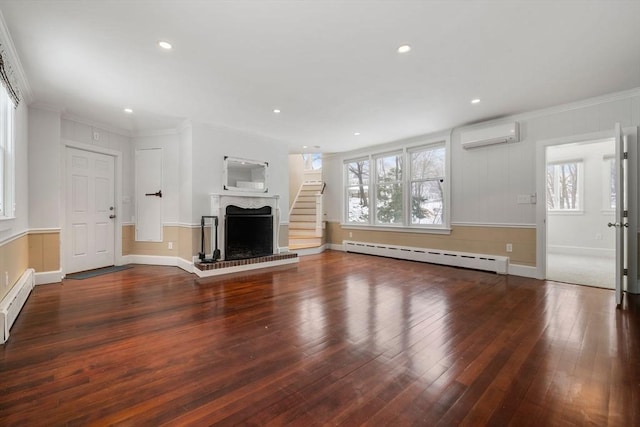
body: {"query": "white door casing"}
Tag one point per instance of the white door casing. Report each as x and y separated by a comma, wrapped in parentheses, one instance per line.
(90, 210)
(148, 164)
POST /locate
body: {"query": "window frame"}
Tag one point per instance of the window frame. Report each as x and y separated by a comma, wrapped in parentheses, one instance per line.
(7, 155)
(406, 225)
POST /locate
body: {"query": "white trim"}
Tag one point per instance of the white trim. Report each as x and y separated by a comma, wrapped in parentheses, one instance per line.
(283, 249)
(577, 250)
(150, 260)
(184, 264)
(336, 246)
(47, 277)
(95, 124)
(243, 268)
(12, 238)
(522, 271)
(310, 251)
(15, 62)
(155, 132)
(558, 109)
(44, 230)
(491, 225)
(400, 229)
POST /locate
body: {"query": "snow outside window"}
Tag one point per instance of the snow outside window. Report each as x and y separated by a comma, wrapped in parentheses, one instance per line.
(427, 185)
(357, 191)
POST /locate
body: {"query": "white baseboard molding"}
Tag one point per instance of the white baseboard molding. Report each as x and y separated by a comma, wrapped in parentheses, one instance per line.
(310, 251)
(522, 271)
(150, 260)
(335, 246)
(581, 251)
(184, 264)
(46, 277)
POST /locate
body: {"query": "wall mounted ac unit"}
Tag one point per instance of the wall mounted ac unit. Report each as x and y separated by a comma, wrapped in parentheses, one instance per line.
(497, 134)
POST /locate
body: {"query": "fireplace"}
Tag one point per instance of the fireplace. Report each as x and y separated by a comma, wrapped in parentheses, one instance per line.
(263, 208)
(249, 232)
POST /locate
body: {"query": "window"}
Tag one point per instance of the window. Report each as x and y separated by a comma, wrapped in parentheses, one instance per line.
(389, 189)
(406, 188)
(427, 185)
(563, 186)
(357, 191)
(609, 182)
(7, 109)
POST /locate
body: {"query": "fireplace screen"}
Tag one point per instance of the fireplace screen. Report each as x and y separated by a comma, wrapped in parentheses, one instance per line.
(248, 232)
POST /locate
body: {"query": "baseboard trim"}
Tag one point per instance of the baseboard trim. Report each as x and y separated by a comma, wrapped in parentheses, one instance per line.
(184, 264)
(46, 277)
(522, 271)
(335, 246)
(310, 251)
(150, 260)
(581, 251)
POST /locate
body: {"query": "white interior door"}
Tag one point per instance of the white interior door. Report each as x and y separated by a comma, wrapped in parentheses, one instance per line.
(621, 223)
(149, 195)
(90, 211)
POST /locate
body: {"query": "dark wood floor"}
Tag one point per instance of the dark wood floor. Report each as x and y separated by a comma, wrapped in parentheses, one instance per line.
(338, 339)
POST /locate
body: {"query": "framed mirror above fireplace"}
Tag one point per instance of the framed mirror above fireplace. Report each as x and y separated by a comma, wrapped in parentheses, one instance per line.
(245, 175)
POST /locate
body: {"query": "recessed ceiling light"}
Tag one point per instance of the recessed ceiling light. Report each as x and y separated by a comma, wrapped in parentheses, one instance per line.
(165, 45)
(404, 48)
(356, 133)
(304, 146)
(276, 111)
(128, 110)
(475, 101)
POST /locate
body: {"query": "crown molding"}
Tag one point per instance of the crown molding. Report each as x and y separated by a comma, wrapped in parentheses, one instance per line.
(154, 132)
(14, 59)
(557, 109)
(47, 107)
(96, 124)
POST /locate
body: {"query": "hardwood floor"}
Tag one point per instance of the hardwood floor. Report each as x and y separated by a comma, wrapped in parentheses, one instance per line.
(338, 339)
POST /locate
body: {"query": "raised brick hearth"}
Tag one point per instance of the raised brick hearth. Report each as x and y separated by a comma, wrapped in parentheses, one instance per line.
(224, 267)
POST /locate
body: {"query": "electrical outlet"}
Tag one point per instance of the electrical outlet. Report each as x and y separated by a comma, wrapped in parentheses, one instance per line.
(96, 136)
(170, 245)
(6, 279)
(509, 247)
(350, 234)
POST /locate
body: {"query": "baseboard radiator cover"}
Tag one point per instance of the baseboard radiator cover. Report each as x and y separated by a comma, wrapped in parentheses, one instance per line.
(497, 264)
(13, 302)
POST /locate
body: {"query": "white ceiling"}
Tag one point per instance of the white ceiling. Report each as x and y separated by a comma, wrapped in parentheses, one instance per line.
(330, 66)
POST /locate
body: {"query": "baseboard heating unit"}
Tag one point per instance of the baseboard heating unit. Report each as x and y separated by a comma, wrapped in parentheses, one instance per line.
(498, 264)
(13, 302)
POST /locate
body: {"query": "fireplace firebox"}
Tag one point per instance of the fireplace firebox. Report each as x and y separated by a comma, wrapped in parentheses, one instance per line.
(248, 232)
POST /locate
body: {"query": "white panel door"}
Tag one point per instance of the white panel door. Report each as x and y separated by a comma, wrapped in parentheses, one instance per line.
(149, 195)
(90, 212)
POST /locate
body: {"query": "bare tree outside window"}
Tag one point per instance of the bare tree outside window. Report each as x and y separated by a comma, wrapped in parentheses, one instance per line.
(358, 191)
(563, 186)
(427, 185)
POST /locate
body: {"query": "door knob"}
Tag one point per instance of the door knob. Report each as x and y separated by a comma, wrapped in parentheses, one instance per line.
(112, 216)
(613, 224)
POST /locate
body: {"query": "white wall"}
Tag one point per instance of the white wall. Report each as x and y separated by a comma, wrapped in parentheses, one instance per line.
(486, 181)
(45, 173)
(210, 144)
(185, 149)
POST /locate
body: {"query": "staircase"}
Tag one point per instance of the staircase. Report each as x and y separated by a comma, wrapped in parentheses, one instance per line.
(305, 218)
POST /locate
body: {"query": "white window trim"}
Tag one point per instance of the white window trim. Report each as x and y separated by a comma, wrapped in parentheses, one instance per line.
(8, 159)
(444, 228)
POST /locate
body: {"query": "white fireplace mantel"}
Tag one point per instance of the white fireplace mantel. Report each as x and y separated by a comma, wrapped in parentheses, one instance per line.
(219, 203)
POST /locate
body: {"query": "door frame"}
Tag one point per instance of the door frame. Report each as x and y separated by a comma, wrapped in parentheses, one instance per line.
(632, 199)
(117, 194)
